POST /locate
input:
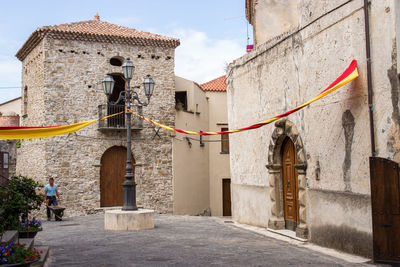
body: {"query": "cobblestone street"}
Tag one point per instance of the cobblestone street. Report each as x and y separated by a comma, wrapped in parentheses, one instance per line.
(176, 240)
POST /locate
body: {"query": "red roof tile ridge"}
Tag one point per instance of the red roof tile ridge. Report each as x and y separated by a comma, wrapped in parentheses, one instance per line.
(70, 27)
(100, 31)
(217, 84)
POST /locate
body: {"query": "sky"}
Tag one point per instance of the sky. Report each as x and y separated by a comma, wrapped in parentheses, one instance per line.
(212, 32)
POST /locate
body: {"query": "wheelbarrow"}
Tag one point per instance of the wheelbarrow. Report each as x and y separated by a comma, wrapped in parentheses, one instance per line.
(58, 212)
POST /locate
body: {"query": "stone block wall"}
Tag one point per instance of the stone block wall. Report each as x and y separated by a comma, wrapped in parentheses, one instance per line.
(72, 91)
(9, 121)
(31, 154)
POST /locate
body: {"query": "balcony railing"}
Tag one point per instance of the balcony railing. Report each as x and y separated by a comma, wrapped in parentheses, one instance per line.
(118, 122)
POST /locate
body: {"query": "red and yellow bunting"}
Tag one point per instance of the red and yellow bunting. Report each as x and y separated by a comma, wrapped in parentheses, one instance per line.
(348, 75)
(39, 132)
(45, 131)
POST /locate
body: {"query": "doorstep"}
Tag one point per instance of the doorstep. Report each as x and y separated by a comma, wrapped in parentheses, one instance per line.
(288, 233)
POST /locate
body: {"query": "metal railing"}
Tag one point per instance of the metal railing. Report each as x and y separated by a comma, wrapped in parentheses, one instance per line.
(118, 121)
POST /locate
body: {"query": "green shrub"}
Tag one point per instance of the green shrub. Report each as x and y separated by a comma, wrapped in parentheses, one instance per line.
(19, 198)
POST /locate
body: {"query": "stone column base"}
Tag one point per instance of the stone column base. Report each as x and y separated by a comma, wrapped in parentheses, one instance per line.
(276, 224)
(128, 220)
(302, 232)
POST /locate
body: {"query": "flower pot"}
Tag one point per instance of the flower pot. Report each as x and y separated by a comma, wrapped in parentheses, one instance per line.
(27, 234)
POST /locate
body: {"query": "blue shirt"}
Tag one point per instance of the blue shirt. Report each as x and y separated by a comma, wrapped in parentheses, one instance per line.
(50, 191)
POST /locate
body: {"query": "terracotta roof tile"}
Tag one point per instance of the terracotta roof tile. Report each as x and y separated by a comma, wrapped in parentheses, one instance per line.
(96, 30)
(218, 85)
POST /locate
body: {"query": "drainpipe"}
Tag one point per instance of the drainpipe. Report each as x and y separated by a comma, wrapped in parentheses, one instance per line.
(369, 79)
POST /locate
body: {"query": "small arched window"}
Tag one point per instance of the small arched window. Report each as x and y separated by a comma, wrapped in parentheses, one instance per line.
(25, 99)
(116, 61)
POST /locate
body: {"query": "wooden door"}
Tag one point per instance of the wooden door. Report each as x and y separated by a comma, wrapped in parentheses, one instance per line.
(385, 204)
(112, 175)
(226, 197)
(290, 185)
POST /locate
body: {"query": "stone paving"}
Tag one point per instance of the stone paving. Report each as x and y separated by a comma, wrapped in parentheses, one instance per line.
(176, 240)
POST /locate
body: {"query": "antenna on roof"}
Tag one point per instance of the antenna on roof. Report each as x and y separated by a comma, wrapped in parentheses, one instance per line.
(97, 17)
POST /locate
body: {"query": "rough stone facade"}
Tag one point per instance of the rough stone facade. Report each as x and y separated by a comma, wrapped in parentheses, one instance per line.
(331, 136)
(63, 82)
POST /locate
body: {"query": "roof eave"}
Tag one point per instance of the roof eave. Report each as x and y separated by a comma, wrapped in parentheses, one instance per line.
(39, 34)
(33, 40)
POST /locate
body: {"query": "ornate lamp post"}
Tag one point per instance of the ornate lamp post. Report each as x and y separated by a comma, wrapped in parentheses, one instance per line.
(129, 186)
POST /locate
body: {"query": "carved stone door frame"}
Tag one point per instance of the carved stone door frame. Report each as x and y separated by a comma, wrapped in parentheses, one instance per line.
(285, 128)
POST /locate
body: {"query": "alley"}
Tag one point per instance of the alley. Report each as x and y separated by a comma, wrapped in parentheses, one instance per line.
(176, 240)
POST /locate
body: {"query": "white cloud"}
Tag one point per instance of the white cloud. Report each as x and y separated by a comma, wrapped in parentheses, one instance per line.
(200, 58)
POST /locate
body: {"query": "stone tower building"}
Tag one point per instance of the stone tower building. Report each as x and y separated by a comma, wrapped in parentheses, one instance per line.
(62, 70)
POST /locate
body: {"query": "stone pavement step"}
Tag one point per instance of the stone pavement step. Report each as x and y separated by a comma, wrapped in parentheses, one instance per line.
(43, 256)
(28, 242)
(9, 236)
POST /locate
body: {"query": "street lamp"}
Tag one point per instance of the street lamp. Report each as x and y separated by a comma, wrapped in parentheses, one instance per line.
(148, 86)
(129, 186)
(108, 85)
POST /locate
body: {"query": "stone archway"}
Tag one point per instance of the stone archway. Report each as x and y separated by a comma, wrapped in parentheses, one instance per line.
(285, 128)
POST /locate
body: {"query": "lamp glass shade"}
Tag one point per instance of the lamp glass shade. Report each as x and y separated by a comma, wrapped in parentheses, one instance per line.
(148, 86)
(127, 69)
(108, 84)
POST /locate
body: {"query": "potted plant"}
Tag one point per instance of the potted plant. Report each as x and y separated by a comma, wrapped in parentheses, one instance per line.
(15, 254)
(29, 228)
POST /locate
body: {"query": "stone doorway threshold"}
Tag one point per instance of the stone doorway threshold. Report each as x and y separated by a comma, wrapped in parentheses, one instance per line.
(288, 233)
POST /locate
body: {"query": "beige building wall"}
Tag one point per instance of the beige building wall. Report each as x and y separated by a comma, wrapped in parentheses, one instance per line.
(331, 136)
(12, 107)
(190, 160)
(272, 18)
(218, 162)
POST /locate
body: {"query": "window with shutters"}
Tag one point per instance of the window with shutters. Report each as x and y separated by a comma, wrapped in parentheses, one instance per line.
(4, 162)
(224, 142)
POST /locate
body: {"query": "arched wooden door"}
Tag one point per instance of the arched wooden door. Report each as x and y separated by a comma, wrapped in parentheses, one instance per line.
(112, 175)
(290, 185)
